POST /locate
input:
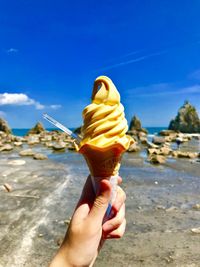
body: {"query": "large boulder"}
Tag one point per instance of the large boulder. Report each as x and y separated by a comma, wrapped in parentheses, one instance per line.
(134, 148)
(158, 140)
(135, 127)
(135, 124)
(187, 120)
(26, 152)
(4, 126)
(6, 147)
(37, 129)
(157, 159)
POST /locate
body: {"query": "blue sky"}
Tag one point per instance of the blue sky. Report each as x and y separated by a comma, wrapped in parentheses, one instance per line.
(51, 52)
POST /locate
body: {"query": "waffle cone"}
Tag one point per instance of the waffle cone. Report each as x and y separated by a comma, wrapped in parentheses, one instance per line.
(103, 162)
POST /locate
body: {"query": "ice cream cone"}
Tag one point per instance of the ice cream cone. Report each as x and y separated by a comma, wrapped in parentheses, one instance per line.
(104, 134)
(103, 162)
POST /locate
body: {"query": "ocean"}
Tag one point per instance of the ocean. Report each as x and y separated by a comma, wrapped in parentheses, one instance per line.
(22, 132)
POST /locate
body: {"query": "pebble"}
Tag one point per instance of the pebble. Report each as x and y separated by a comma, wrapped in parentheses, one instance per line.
(59, 241)
(172, 208)
(39, 156)
(17, 162)
(40, 235)
(67, 222)
(160, 207)
(195, 230)
(7, 187)
(196, 207)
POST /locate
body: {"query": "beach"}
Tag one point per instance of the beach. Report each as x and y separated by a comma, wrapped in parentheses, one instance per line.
(162, 208)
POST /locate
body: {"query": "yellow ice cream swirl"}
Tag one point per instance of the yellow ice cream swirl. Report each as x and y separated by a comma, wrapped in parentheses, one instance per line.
(104, 119)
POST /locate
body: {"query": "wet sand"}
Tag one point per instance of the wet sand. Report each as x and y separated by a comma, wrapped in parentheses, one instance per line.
(160, 212)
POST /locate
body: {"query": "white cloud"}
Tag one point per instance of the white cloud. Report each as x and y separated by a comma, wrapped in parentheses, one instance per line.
(163, 89)
(138, 59)
(55, 106)
(12, 50)
(19, 99)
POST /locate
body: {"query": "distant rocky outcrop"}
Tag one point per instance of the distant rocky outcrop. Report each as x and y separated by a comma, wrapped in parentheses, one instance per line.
(136, 126)
(187, 120)
(37, 129)
(4, 126)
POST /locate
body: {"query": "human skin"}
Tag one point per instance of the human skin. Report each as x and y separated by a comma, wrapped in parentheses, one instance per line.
(89, 228)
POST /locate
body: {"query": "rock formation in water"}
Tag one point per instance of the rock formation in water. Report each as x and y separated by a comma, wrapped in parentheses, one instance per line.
(4, 126)
(37, 129)
(187, 120)
(136, 126)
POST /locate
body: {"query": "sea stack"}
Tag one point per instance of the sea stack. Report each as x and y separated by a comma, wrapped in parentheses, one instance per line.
(4, 126)
(187, 120)
(136, 126)
(37, 129)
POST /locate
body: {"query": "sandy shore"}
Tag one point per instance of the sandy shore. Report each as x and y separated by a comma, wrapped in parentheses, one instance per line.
(160, 210)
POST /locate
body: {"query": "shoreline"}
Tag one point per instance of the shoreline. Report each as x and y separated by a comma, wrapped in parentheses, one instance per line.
(152, 192)
(160, 208)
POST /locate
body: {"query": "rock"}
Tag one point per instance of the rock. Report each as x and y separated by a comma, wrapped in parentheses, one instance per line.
(71, 147)
(143, 140)
(67, 222)
(33, 140)
(196, 207)
(4, 126)
(165, 151)
(6, 147)
(40, 156)
(49, 144)
(59, 146)
(133, 148)
(158, 140)
(18, 143)
(152, 151)
(170, 138)
(135, 125)
(26, 152)
(157, 159)
(37, 129)
(175, 154)
(152, 145)
(187, 120)
(46, 138)
(16, 162)
(40, 235)
(195, 230)
(160, 207)
(196, 137)
(59, 241)
(183, 154)
(172, 208)
(168, 133)
(7, 187)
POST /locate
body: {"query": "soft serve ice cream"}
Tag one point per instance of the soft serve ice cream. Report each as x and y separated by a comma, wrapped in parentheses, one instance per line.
(104, 130)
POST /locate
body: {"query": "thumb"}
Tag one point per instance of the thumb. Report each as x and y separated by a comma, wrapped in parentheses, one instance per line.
(101, 202)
